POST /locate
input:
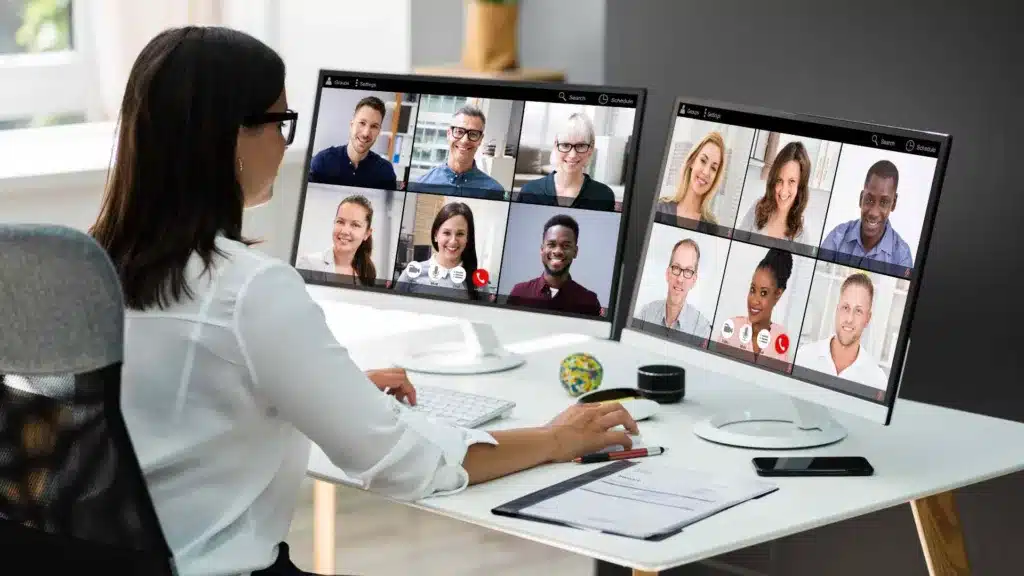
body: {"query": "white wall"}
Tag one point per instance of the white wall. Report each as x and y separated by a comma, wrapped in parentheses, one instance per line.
(351, 36)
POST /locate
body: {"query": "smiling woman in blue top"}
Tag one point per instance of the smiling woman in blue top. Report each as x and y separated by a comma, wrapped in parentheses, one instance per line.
(459, 175)
(354, 163)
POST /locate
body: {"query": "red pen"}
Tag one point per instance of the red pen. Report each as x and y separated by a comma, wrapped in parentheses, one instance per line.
(620, 455)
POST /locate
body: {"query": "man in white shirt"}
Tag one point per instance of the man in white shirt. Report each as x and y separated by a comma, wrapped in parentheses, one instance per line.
(841, 354)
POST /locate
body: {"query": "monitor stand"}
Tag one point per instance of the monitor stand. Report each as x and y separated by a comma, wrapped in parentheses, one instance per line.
(807, 426)
(479, 352)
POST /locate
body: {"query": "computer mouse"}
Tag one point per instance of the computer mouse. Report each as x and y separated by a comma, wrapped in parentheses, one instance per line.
(640, 408)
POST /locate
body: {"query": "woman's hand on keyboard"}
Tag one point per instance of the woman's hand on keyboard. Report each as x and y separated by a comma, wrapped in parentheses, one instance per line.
(587, 428)
(394, 381)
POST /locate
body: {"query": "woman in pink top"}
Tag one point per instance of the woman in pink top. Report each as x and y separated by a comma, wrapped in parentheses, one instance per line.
(766, 288)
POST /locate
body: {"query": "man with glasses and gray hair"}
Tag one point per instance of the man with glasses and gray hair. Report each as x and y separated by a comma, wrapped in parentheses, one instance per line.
(459, 175)
(674, 311)
(568, 185)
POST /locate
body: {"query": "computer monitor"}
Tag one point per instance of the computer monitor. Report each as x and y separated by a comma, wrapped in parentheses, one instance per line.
(787, 250)
(487, 201)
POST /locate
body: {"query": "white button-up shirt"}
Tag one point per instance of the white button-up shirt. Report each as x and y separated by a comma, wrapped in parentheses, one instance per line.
(864, 370)
(317, 262)
(222, 394)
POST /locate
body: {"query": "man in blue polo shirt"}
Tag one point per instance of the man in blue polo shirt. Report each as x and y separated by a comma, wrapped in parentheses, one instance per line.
(872, 236)
(459, 175)
(355, 164)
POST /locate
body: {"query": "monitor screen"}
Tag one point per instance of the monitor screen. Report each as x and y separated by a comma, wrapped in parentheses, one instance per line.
(790, 243)
(484, 192)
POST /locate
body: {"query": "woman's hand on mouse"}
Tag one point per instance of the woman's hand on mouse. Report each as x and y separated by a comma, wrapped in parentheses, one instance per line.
(394, 381)
(587, 428)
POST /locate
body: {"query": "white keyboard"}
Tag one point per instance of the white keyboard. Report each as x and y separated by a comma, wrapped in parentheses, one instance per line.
(459, 408)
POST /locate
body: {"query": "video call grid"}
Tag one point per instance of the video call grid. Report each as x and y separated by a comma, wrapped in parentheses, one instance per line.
(844, 138)
(735, 237)
(516, 95)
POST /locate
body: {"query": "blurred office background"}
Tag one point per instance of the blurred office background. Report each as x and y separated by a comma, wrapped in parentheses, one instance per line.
(944, 67)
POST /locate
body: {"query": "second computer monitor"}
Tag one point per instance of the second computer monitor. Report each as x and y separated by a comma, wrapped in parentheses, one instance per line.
(787, 250)
(495, 196)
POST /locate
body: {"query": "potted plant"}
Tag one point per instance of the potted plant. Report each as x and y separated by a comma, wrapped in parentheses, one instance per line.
(489, 43)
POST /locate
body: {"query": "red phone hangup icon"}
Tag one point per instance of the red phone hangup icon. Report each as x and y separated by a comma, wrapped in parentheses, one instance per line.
(480, 278)
(782, 344)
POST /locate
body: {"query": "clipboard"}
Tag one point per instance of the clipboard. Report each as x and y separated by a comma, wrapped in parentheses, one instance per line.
(515, 508)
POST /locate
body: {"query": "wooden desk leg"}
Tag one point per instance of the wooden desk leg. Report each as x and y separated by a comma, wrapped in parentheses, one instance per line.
(324, 514)
(942, 538)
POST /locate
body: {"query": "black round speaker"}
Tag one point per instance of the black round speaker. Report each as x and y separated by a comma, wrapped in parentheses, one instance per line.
(663, 383)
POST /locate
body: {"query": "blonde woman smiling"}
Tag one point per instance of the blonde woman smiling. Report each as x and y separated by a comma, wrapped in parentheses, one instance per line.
(702, 174)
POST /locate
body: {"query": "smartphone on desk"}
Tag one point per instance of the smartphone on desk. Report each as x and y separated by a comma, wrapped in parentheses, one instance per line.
(813, 466)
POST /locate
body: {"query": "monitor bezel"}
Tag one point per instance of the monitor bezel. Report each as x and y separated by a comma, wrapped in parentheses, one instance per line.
(903, 340)
(615, 297)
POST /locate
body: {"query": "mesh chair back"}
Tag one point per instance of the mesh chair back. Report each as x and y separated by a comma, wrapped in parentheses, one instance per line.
(72, 494)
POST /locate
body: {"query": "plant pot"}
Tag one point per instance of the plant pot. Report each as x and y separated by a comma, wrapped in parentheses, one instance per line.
(489, 43)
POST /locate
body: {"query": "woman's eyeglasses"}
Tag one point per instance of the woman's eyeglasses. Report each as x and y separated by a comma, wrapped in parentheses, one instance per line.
(458, 132)
(285, 121)
(565, 147)
(686, 272)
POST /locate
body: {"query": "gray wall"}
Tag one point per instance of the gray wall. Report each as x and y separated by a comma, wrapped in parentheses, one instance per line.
(566, 36)
(951, 67)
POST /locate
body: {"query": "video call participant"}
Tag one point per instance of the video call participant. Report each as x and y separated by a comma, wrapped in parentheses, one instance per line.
(674, 311)
(449, 270)
(766, 288)
(698, 184)
(355, 164)
(351, 253)
(872, 235)
(568, 185)
(459, 175)
(780, 212)
(841, 354)
(555, 289)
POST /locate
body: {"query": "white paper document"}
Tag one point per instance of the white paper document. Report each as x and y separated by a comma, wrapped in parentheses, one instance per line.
(647, 500)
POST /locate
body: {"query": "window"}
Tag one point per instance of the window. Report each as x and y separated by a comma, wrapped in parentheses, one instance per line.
(44, 63)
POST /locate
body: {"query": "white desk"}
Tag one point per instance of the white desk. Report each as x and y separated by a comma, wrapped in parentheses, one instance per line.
(927, 451)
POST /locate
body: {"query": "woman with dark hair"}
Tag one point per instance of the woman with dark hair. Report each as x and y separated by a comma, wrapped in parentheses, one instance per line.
(230, 370)
(351, 253)
(780, 212)
(451, 266)
(766, 288)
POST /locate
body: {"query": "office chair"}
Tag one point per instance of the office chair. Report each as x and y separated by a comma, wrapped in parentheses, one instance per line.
(72, 495)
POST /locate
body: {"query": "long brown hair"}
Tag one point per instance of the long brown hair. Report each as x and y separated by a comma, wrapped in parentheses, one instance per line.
(767, 205)
(362, 263)
(173, 186)
(683, 188)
